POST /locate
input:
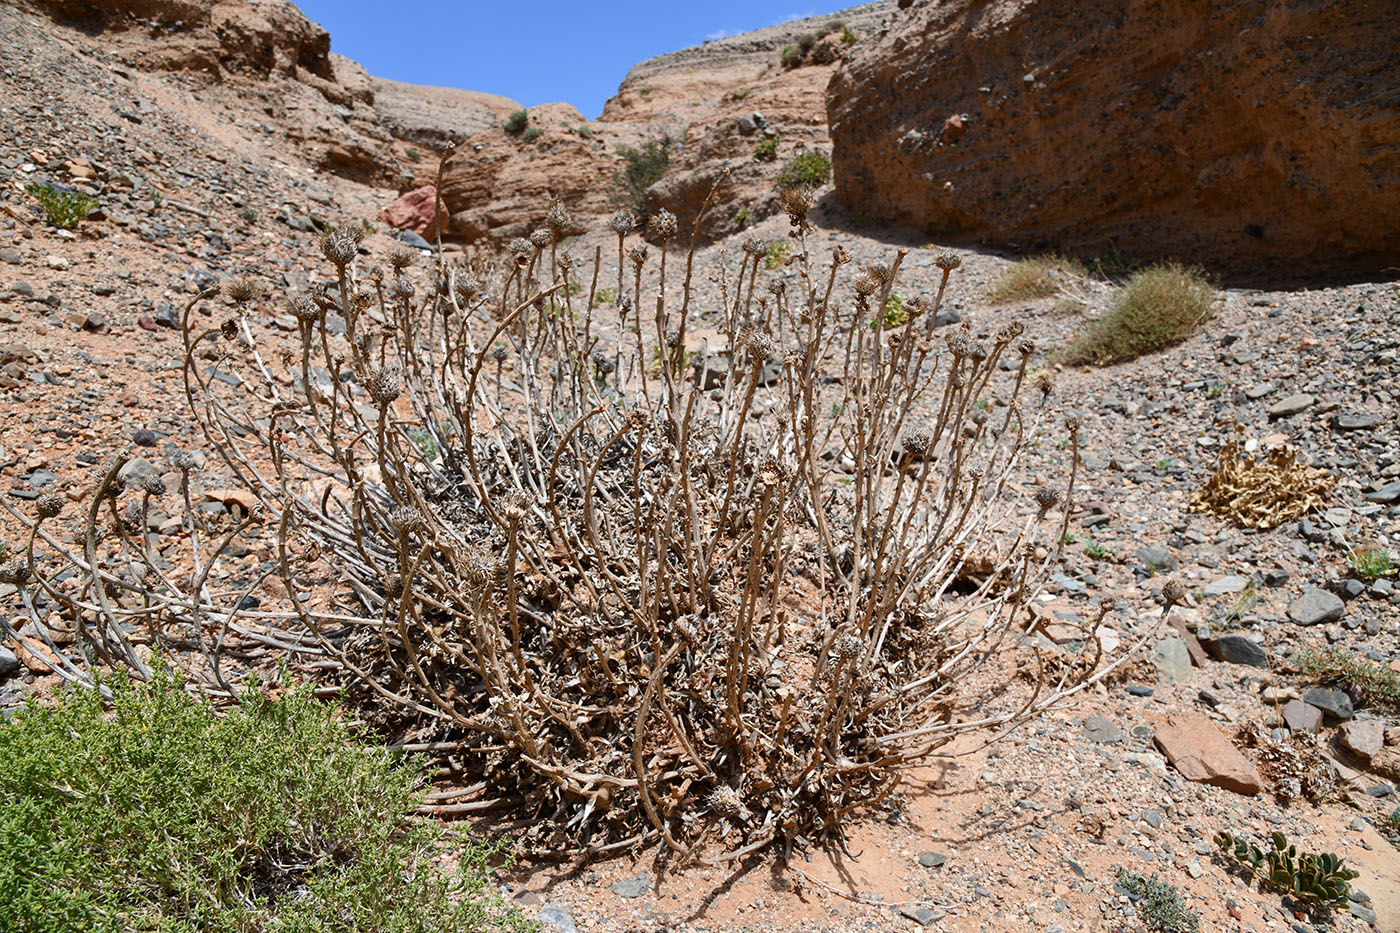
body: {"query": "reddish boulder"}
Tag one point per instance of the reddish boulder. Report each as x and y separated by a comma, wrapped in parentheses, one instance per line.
(1202, 753)
(1257, 139)
(416, 210)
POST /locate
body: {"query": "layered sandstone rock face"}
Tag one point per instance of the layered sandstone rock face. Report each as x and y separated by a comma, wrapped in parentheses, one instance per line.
(1256, 138)
(268, 48)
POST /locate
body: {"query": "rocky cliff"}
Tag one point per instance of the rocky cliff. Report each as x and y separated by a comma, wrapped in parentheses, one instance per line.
(1256, 138)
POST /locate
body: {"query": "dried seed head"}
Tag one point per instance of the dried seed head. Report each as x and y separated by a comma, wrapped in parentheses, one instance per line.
(849, 646)
(50, 504)
(184, 460)
(624, 304)
(918, 442)
(880, 272)
(915, 306)
(1047, 498)
(1174, 593)
(947, 261)
(400, 258)
(499, 353)
(796, 202)
(385, 384)
(977, 350)
(393, 586)
(726, 801)
(840, 255)
(567, 260)
(663, 225)
(521, 249)
(622, 221)
(776, 286)
(864, 283)
(339, 247)
(558, 219)
(305, 308)
(1045, 383)
(756, 246)
(131, 517)
(402, 288)
(958, 343)
(240, 289)
(229, 329)
(153, 485)
(466, 286)
(15, 573)
(602, 362)
(761, 346)
(541, 238)
(1072, 424)
(1026, 347)
(406, 519)
(638, 254)
(979, 416)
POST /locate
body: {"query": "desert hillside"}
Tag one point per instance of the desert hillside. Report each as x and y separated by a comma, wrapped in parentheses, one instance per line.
(931, 465)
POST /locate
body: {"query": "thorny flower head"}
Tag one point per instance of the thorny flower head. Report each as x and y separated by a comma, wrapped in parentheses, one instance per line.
(521, 249)
(385, 384)
(918, 442)
(50, 504)
(947, 261)
(622, 221)
(240, 289)
(638, 255)
(541, 238)
(1173, 593)
(849, 646)
(406, 519)
(184, 460)
(756, 246)
(400, 258)
(663, 225)
(305, 308)
(339, 246)
(558, 219)
(796, 202)
(229, 329)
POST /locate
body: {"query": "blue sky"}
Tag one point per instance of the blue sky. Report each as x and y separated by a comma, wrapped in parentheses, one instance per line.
(534, 51)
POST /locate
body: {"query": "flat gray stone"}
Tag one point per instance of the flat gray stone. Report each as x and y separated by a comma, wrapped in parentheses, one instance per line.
(633, 887)
(137, 470)
(8, 662)
(557, 918)
(1390, 492)
(1101, 730)
(1156, 559)
(1302, 717)
(932, 859)
(1237, 649)
(1173, 661)
(1356, 421)
(1316, 606)
(1256, 392)
(924, 916)
(1225, 585)
(1334, 703)
(1291, 405)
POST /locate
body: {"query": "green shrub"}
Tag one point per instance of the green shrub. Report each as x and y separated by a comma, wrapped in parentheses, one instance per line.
(1158, 307)
(767, 149)
(515, 123)
(778, 253)
(741, 218)
(531, 134)
(1035, 277)
(161, 816)
(644, 167)
(809, 167)
(1315, 877)
(63, 207)
(792, 55)
(848, 35)
(1370, 563)
(1372, 683)
(1159, 904)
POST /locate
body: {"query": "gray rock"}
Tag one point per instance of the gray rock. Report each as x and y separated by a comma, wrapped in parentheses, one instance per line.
(1390, 492)
(1334, 703)
(1237, 649)
(1225, 585)
(8, 662)
(633, 887)
(1352, 589)
(412, 239)
(1364, 913)
(557, 918)
(932, 859)
(1302, 717)
(136, 470)
(946, 316)
(1355, 421)
(1291, 405)
(924, 916)
(1101, 730)
(1173, 661)
(1382, 588)
(1156, 559)
(1256, 392)
(1316, 606)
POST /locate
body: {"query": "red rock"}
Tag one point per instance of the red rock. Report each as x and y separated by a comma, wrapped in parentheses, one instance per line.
(233, 497)
(1200, 752)
(416, 211)
(953, 128)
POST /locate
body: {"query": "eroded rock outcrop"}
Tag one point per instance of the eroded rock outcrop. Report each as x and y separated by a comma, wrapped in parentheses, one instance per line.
(1254, 138)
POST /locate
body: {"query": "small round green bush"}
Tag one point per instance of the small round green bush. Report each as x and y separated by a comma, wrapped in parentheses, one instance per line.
(515, 123)
(809, 167)
(1158, 307)
(531, 134)
(792, 55)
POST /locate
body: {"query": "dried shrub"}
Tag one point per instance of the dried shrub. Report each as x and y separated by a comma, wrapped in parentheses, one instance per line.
(1036, 277)
(1260, 493)
(714, 604)
(1156, 308)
